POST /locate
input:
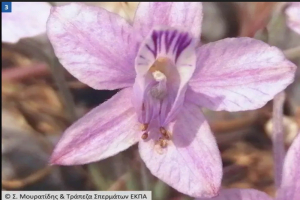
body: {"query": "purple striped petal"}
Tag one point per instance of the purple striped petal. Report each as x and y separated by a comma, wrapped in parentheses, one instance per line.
(293, 16)
(290, 185)
(96, 46)
(237, 74)
(241, 194)
(27, 19)
(182, 15)
(169, 53)
(103, 132)
(191, 161)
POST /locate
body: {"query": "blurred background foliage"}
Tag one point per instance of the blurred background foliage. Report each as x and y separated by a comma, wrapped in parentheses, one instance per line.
(40, 99)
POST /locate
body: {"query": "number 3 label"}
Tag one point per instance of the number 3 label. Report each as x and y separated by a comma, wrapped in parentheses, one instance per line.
(6, 6)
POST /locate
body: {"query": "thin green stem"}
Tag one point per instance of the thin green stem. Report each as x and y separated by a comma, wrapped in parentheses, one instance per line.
(292, 53)
(144, 177)
(97, 177)
(59, 78)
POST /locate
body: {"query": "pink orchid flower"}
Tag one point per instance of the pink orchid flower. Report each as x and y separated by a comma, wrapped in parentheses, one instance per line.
(290, 185)
(166, 78)
(27, 19)
(293, 16)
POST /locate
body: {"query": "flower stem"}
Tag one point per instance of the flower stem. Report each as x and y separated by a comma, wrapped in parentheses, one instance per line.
(144, 176)
(274, 25)
(292, 53)
(97, 177)
(120, 184)
(59, 78)
(278, 137)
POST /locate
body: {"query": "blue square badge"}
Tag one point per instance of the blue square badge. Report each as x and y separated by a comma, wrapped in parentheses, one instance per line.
(6, 6)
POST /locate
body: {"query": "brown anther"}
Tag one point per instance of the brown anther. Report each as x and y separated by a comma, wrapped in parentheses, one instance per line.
(145, 136)
(163, 131)
(144, 127)
(162, 142)
(167, 136)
